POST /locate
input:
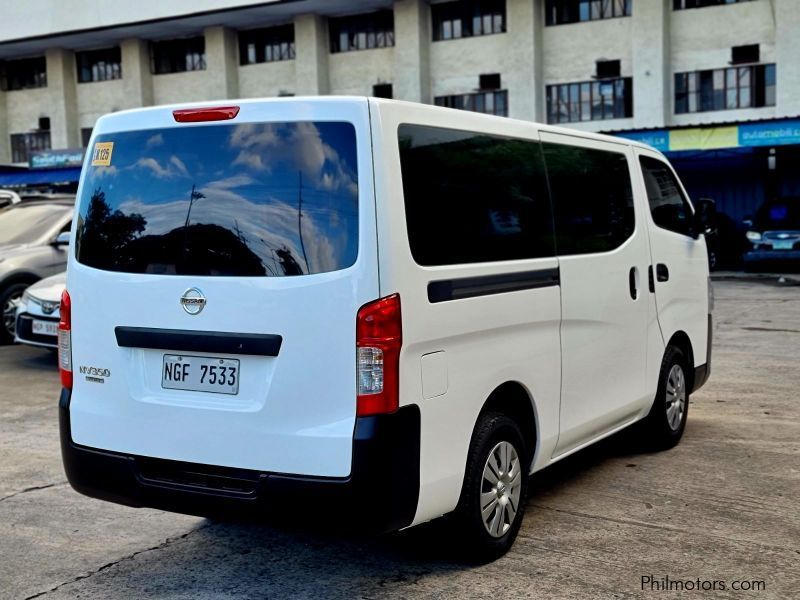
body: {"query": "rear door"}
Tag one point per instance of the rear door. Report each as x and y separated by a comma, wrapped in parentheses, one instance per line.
(217, 274)
(601, 242)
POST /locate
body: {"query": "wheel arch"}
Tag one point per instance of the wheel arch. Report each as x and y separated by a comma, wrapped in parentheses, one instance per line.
(515, 400)
(680, 339)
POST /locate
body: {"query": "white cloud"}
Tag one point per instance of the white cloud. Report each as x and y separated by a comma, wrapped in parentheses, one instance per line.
(174, 167)
(155, 140)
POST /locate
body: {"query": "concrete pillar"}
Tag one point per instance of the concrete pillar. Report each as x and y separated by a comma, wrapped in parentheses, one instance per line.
(652, 81)
(5, 140)
(524, 24)
(222, 62)
(311, 60)
(787, 52)
(137, 81)
(412, 41)
(62, 98)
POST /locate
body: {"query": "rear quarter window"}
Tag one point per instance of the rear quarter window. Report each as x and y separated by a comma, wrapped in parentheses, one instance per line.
(472, 197)
(254, 199)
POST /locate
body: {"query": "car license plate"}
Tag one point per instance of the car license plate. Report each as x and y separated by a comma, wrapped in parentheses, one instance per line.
(200, 374)
(44, 327)
(782, 244)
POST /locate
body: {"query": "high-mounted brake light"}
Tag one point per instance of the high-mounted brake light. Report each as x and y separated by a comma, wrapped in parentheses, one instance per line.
(379, 336)
(199, 115)
(65, 341)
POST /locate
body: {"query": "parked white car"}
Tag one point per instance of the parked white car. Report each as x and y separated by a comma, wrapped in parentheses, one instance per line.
(389, 311)
(38, 312)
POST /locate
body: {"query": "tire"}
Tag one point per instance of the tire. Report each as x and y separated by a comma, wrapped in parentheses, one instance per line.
(496, 438)
(663, 427)
(9, 297)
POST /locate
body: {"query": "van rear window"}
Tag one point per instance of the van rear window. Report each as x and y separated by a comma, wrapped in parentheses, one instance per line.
(254, 199)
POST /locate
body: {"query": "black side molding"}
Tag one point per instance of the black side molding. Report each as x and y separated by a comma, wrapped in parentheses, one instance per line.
(199, 341)
(469, 287)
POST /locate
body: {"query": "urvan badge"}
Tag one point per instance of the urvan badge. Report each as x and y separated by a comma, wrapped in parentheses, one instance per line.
(193, 301)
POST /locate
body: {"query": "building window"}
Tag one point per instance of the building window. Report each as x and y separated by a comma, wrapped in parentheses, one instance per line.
(25, 144)
(465, 18)
(86, 135)
(561, 12)
(490, 103)
(99, 65)
(683, 4)
(590, 100)
(269, 44)
(23, 74)
(382, 90)
(362, 32)
(724, 89)
(176, 56)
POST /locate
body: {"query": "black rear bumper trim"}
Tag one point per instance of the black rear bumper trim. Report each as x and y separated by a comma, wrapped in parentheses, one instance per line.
(380, 494)
(199, 341)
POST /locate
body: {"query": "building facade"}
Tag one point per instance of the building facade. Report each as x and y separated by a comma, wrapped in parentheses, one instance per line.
(711, 79)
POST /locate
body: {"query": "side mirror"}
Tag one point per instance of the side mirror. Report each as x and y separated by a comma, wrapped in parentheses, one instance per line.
(704, 217)
(62, 239)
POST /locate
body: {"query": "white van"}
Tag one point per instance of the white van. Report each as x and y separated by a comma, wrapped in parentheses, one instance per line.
(393, 310)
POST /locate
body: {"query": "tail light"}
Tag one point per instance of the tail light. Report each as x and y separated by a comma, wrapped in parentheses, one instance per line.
(65, 341)
(379, 337)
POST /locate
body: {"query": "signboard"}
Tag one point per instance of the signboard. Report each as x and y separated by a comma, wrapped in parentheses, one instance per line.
(54, 159)
(770, 133)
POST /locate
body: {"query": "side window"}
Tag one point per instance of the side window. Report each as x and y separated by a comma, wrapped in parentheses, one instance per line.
(472, 197)
(669, 208)
(592, 198)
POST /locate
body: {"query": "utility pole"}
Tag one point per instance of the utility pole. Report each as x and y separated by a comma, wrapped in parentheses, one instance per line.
(300, 217)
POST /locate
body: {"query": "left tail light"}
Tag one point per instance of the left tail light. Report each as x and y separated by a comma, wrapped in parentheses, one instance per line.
(379, 337)
(65, 341)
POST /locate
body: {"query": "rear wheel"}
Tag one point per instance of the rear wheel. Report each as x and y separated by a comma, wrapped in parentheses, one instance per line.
(664, 425)
(10, 299)
(492, 503)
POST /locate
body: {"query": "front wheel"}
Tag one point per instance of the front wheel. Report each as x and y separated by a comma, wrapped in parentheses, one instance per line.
(492, 503)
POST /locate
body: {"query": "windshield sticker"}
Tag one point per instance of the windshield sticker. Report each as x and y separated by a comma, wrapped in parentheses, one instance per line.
(101, 156)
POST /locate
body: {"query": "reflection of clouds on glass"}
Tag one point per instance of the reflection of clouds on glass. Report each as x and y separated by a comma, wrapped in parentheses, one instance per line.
(261, 146)
(173, 168)
(265, 227)
(248, 182)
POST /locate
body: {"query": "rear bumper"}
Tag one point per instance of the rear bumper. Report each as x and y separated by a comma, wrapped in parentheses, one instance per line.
(380, 494)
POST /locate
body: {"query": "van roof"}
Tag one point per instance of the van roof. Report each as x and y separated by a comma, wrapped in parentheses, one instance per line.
(360, 99)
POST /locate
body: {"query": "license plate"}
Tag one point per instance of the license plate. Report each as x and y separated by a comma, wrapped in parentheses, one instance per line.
(782, 244)
(200, 374)
(44, 327)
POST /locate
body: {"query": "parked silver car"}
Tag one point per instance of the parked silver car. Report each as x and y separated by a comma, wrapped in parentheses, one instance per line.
(38, 312)
(34, 235)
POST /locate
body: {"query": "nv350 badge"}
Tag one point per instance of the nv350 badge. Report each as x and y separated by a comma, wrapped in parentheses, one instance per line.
(193, 301)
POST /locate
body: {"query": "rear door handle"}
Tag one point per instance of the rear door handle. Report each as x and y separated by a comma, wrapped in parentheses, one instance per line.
(662, 272)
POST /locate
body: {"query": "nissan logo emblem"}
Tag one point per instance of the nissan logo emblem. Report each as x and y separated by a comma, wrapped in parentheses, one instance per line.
(193, 301)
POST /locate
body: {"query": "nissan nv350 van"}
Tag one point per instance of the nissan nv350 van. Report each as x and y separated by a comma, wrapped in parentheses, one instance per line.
(396, 311)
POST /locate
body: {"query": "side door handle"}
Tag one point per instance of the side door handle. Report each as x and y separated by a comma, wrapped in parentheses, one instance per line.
(662, 272)
(633, 282)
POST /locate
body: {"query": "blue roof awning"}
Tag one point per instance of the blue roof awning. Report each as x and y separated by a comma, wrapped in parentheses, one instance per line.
(39, 176)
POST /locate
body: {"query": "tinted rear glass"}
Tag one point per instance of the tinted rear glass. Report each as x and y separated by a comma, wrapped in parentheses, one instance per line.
(473, 197)
(23, 224)
(256, 199)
